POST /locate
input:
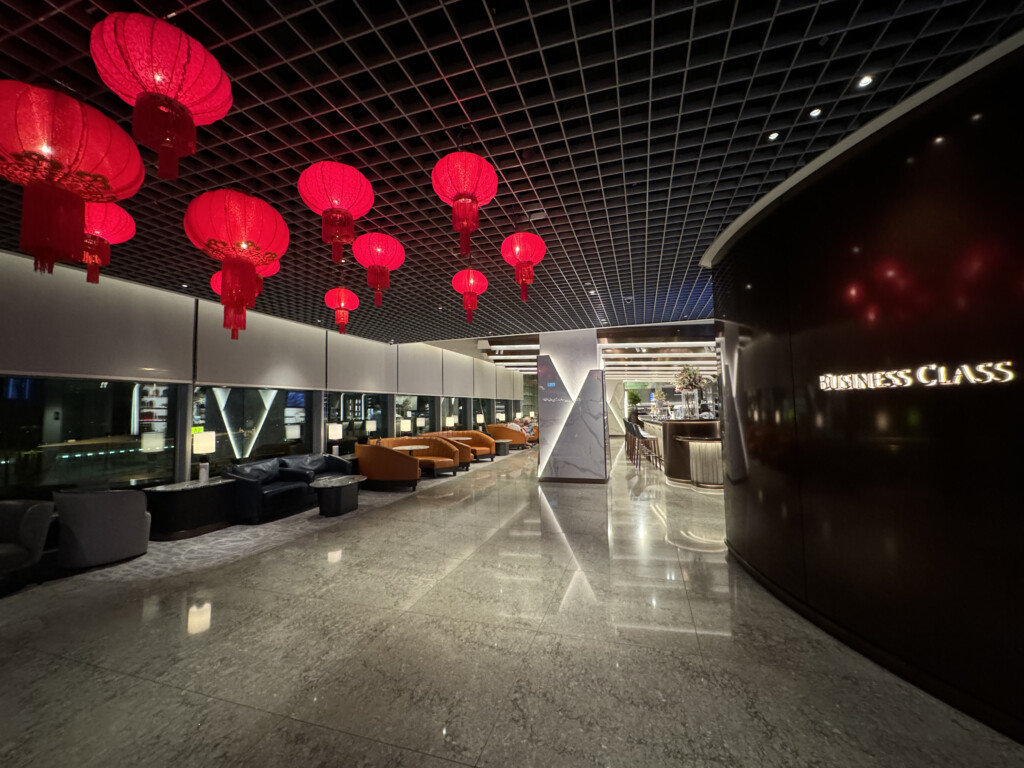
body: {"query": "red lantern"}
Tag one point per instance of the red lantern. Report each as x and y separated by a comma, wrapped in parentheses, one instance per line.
(173, 82)
(106, 224)
(470, 284)
(380, 254)
(64, 154)
(523, 250)
(342, 301)
(243, 233)
(339, 194)
(465, 181)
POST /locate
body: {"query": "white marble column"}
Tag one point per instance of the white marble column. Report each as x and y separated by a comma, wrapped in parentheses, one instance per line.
(571, 408)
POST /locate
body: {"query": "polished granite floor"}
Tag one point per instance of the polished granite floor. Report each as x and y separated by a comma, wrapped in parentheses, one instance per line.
(486, 621)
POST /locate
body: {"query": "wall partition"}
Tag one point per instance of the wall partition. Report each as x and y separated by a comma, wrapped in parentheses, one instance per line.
(873, 409)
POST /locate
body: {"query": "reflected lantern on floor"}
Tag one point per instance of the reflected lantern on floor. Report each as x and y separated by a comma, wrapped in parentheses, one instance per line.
(64, 154)
(523, 250)
(170, 79)
(380, 254)
(342, 301)
(339, 194)
(244, 233)
(470, 284)
(465, 181)
(106, 224)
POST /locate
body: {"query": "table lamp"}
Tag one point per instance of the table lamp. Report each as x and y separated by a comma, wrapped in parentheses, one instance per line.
(292, 431)
(533, 415)
(479, 418)
(371, 426)
(421, 421)
(405, 425)
(449, 421)
(335, 432)
(203, 444)
(519, 414)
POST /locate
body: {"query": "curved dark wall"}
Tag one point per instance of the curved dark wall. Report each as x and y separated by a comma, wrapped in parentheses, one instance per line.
(895, 516)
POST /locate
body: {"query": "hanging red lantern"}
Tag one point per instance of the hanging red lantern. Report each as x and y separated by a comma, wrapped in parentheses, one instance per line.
(265, 270)
(380, 254)
(523, 250)
(465, 181)
(170, 79)
(244, 233)
(342, 301)
(106, 224)
(65, 154)
(339, 194)
(470, 284)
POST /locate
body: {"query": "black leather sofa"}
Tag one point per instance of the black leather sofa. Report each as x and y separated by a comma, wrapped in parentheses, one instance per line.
(273, 488)
(312, 466)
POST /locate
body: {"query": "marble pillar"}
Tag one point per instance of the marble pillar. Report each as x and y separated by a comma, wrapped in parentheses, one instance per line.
(571, 408)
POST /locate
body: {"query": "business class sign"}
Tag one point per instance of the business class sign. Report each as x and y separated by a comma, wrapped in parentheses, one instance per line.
(931, 375)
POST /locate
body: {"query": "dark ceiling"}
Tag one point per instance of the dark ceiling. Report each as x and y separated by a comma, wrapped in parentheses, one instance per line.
(630, 132)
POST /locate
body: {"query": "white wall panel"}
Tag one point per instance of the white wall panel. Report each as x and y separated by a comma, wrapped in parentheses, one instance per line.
(419, 369)
(505, 387)
(59, 325)
(270, 352)
(457, 370)
(355, 364)
(517, 385)
(484, 379)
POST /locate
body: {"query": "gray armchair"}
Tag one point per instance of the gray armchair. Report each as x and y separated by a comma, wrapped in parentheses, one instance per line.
(101, 527)
(23, 528)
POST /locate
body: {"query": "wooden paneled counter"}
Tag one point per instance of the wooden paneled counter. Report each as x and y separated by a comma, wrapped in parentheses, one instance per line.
(692, 450)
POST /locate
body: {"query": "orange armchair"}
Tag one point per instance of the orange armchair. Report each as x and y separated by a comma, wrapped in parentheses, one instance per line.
(502, 432)
(465, 452)
(441, 456)
(480, 444)
(384, 467)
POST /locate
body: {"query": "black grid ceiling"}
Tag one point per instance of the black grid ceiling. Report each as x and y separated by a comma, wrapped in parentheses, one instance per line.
(638, 130)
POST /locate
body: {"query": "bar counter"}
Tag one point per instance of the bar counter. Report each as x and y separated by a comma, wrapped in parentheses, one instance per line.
(692, 450)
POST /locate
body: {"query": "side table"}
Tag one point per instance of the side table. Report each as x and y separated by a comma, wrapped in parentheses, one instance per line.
(184, 510)
(501, 447)
(337, 494)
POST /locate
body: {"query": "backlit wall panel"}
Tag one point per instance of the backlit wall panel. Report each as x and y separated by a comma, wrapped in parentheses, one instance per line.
(419, 369)
(484, 379)
(355, 364)
(60, 325)
(457, 374)
(270, 352)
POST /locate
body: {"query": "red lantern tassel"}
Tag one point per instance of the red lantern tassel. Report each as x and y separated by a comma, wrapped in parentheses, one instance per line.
(378, 298)
(469, 304)
(341, 318)
(164, 125)
(337, 252)
(52, 224)
(95, 254)
(524, 276)
(239, 286)
(465, 220)
(337, 226)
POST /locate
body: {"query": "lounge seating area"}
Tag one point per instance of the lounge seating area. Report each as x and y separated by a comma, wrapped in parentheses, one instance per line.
(480, 445)
(504, 432)
(24, 525)
(439, 457)
(100, 527)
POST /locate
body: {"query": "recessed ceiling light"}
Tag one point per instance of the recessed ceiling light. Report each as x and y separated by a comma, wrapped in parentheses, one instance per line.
(748, 286)
(773, 136)
(976, 117)
(592, 293)
(184, 285)
(815, 112)
(939, 140)
(865, 81)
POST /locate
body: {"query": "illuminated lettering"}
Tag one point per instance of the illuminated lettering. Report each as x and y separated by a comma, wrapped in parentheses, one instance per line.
(929, 375)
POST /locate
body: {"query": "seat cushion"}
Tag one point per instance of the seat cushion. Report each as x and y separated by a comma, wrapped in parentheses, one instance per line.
(284, 486)
(435, 461)
(265, 471)
(12, 557)
(311, 462)
(477, 450)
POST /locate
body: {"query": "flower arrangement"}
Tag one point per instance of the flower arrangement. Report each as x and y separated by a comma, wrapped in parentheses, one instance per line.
(689, 379)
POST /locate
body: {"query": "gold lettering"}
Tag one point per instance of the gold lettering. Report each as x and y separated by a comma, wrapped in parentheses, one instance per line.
(921, 375)
(985, 369)
(1004, 368)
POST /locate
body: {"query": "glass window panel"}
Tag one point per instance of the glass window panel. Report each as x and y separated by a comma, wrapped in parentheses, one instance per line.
(67, 433)
(414, 414)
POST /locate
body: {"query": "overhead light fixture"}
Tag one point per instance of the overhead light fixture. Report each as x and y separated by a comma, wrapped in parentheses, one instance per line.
(976, 117)
(773, 136)
(940, 140)
(815, 112)
(865, 81)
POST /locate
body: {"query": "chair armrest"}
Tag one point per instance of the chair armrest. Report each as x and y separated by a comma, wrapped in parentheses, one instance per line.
(35, 525)
(290, 473)
(338, 464)
(248, 496)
